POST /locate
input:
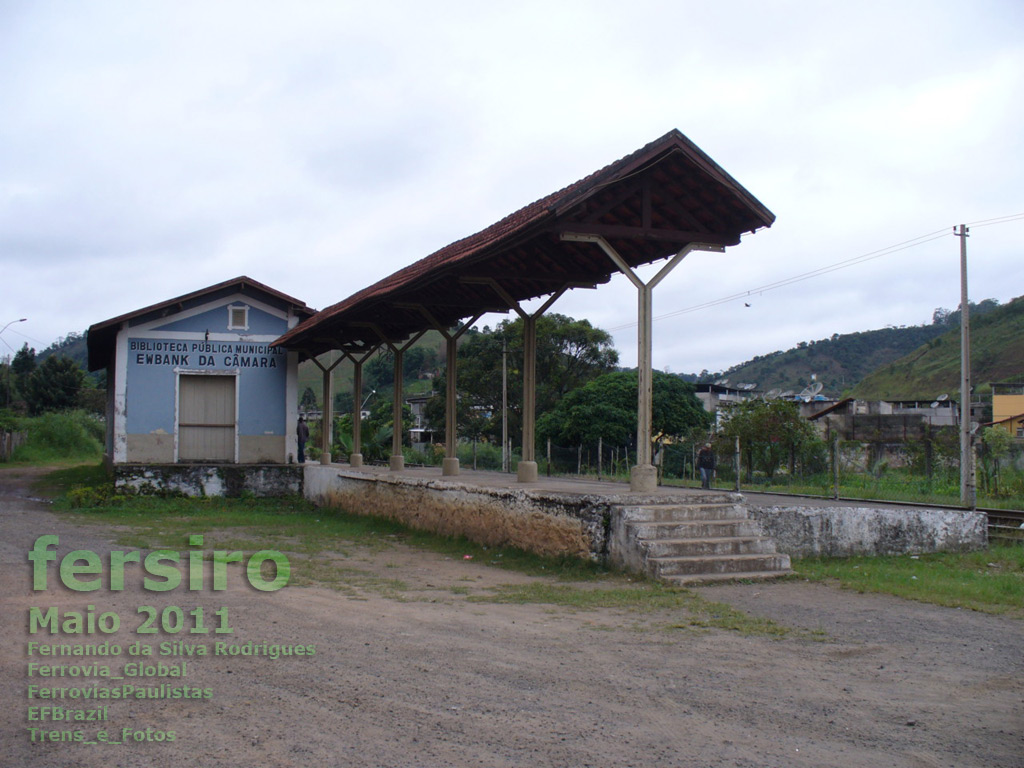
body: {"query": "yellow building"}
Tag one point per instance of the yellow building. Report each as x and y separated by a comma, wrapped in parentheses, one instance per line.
(1008, 413)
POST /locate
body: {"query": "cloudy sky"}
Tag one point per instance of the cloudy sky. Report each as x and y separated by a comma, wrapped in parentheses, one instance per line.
(151, 149)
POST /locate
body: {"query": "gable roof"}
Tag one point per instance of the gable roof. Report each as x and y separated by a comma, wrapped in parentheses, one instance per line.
(101, 337)
(648, 205)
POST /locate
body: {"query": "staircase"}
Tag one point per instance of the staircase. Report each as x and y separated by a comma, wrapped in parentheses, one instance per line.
(710, 538)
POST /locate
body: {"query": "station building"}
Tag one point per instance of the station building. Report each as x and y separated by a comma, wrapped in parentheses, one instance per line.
(195, 380)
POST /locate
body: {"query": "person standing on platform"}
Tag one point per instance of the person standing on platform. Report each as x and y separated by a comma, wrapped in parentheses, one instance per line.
(706, 464)
(302, 432)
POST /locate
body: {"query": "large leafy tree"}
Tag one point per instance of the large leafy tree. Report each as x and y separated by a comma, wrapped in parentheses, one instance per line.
(606, 408)
(55, 385)
(570, 352)
(771, 432)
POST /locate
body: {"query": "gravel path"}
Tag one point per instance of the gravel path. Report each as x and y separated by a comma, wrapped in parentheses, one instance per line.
(418, 674)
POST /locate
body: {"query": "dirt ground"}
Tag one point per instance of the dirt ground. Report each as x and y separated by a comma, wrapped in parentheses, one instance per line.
(421, 675)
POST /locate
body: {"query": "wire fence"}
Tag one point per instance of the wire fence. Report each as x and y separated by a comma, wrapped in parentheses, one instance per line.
(922, 472)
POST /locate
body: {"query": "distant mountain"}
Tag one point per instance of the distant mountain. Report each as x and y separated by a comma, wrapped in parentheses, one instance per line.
(841, 362)
(72, 345)
(997, 357)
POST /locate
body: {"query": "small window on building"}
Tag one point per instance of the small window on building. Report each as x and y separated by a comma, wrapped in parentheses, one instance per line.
(238, 318)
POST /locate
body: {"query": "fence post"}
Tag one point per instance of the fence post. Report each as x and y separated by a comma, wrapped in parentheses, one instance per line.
(600, 455)
(835, 466)
(549, 457)
(736, 462)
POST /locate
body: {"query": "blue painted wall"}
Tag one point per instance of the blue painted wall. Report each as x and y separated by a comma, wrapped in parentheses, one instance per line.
(153, 365)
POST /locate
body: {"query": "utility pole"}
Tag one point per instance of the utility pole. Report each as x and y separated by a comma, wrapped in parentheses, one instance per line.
(967, 489)
(504, 407)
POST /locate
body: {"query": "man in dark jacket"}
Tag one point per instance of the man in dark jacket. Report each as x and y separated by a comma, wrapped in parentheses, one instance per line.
(706, 464)
(302, 432)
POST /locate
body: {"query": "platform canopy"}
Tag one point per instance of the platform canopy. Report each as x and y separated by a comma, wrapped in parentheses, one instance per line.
(661, 202)
(649, 205)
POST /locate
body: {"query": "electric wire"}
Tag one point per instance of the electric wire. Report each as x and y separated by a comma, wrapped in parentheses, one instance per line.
(846, 263)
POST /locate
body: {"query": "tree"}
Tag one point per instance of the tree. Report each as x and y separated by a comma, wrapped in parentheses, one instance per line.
(344, 402)
(605, 408)
(308, 400)
(6, 385)
(54, 385)
(770, 432)
(379, 371)
(570, 352)
(22, 367)
(375, 432)
(995, 444)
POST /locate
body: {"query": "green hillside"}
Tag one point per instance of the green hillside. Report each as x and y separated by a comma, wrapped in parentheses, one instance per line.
(839, 362)
(997, 356)
(424, 356)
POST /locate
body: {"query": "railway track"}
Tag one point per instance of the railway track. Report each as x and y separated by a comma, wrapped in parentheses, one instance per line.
(1005, 524)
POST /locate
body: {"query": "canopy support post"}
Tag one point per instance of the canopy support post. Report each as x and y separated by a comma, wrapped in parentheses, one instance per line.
(355, 459)
(327, 419)
(396, 462)
(526, 471)
(450, 464)
(643, 478)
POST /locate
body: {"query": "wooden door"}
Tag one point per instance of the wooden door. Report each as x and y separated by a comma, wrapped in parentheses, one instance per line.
(206, 418)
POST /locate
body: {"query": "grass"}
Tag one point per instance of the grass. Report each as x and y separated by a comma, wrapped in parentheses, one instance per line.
(289, 524)
(990, 580)
(321, 540)
(58, 438)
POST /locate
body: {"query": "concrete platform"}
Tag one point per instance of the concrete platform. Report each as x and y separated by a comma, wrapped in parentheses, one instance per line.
(509, 481)
(577, 516)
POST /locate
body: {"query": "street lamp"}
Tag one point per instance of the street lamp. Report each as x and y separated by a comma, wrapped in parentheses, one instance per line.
(21, 320)
(372, 393)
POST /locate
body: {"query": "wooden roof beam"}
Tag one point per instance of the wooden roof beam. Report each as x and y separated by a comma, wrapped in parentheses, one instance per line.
(642, 233)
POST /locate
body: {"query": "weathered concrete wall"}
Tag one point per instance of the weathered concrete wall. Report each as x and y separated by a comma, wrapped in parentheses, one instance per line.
(261, 449)
(591, 525)
(842, 531)
(157, 448)
(210, 479)
(531, 519)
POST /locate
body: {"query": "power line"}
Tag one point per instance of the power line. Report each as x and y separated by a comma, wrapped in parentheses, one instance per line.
(998, 220)
(846, 263)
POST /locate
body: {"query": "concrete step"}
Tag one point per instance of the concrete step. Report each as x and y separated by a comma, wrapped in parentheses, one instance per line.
(694, 529)
(702, 564)
(672, 512)
(684, 580)
(733, 545)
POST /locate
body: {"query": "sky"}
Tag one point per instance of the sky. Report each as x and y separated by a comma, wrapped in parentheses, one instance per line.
(148, 150)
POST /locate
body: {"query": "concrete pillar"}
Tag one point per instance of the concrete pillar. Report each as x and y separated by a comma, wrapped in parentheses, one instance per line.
(355, 459)
(527, 469)
(450, 465)
(397, 461)
(327, 421)
(644, 476)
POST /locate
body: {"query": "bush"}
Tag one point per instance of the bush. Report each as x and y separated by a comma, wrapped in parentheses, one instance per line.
(61, 436)
(488, 455)
(84, 497)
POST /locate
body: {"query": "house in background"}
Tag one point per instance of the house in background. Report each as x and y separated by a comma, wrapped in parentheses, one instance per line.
(194, 380)
(1008, 409)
